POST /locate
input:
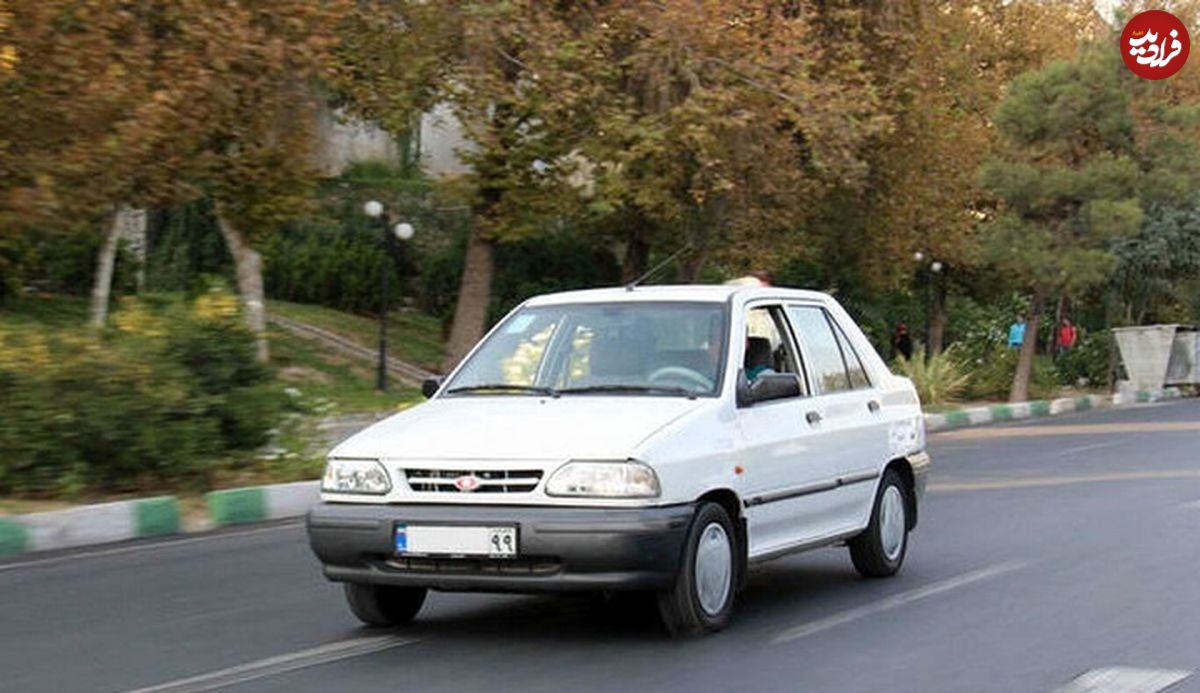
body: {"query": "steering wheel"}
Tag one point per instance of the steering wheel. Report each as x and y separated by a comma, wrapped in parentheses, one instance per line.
(680, 373)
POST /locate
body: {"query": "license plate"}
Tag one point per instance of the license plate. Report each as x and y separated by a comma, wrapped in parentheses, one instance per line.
(452, 540)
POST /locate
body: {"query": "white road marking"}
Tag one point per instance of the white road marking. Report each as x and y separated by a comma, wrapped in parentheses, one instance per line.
(1124, 680)
(993, 484)
(1191, 505)
(1084, 448)
(271, 666)
(896, 600)
(162, 544)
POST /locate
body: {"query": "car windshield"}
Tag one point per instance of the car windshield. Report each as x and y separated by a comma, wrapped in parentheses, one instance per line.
(622, 348)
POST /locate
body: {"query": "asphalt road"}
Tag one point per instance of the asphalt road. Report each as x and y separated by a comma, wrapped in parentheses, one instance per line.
(1046, 550)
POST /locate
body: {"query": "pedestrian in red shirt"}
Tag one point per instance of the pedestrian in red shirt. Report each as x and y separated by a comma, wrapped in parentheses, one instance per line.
(1067, 336)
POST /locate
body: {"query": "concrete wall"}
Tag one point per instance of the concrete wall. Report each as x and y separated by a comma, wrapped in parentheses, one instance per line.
(343, 140)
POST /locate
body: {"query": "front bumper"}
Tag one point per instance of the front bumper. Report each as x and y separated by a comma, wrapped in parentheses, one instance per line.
(560, 549)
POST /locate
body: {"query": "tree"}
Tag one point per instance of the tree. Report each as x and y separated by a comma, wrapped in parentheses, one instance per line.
(1154, 265)
(1067, 181)
(249, 75)
(115, 105)
(84, 131)
(721, 125)
(690, 121)
(938, 67)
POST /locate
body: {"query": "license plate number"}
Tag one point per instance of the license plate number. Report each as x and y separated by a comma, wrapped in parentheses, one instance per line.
(451, 540)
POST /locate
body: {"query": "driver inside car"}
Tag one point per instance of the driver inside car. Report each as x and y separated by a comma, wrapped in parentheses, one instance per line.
(758, 357)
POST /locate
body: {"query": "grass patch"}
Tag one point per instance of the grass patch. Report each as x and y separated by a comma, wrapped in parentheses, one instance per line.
(20, 506)
(345, 383)
(41, 311)
(412, 337)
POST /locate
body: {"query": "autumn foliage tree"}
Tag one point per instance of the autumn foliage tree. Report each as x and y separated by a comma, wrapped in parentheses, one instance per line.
(690, 121)
(111, 104)
(938, 67)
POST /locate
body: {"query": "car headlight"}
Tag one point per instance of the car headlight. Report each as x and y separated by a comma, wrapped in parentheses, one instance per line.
(624, 479)
(355, 476)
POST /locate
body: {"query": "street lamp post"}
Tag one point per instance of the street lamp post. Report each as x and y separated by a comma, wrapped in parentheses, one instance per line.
(404, 231)
(926, 275)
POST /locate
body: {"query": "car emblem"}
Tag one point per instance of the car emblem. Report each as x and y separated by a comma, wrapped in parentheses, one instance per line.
(466, 483)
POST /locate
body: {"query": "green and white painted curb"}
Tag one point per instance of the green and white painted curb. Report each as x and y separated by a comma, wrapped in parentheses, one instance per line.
(161, 516)
(258, 503)
(977, 416)
(89, 524)
(106, 523)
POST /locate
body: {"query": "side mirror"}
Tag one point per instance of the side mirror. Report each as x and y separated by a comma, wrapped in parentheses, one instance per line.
(430, 386)
(772, 386)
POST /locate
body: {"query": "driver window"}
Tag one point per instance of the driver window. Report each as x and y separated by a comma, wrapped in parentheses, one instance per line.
(766, 351)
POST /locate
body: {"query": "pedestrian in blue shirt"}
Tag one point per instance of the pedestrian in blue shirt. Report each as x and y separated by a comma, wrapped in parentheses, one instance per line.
(1016, 333)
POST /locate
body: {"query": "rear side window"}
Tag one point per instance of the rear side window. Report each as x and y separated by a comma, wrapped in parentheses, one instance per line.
(854, 366)
(821, 348)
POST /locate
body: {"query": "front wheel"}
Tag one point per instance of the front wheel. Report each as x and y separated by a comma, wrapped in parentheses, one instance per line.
(701, 600)
(383, 606)
(879, 551)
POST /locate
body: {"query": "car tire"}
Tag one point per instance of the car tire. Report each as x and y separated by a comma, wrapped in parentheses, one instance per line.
(879, 551)
(702, 598)
(383, 606)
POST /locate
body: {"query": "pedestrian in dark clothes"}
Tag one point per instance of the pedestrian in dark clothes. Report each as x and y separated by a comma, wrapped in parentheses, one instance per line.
(902, 342)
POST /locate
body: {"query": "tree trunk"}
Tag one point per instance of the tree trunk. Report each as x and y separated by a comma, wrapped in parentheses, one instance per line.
(248, 266)
(637, 255)
(937, 320)
(102, 283)
(474, 299)
(1052, 340)
(693, 264)
(1020, 386)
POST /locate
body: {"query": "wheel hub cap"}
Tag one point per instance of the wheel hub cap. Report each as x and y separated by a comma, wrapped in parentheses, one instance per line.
(714, 568)
(892, 523)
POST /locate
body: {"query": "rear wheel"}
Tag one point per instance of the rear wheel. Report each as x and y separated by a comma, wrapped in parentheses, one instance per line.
(701, 600)
(879, 551)
(382, 606)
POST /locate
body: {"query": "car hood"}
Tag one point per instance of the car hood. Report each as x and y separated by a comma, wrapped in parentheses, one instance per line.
(500, 427)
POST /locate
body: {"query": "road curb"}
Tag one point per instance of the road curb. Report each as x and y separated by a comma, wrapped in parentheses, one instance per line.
(979, 416)
(259, 503)
(89, 524)
(14, 538)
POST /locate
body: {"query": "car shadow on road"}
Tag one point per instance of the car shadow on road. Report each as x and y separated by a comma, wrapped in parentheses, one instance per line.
(783, 589)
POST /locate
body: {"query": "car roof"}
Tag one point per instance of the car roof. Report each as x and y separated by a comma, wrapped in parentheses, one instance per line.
(700, 293)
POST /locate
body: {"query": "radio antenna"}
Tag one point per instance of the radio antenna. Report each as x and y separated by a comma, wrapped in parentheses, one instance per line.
(655, 269)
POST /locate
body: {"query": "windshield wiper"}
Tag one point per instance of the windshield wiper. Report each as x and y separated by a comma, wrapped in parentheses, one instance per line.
(505, 387)
(661, 389)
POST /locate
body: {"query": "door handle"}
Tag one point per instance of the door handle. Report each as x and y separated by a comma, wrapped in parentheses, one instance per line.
(813, 417)
(873, 406)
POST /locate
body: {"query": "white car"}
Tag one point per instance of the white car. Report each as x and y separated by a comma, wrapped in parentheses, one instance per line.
(659, 439)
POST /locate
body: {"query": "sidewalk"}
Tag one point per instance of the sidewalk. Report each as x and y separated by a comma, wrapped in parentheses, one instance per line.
(161, 516)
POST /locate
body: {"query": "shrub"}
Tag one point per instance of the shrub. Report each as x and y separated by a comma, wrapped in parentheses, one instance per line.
(991, 376)
(938, 379)
(1089, 362)
(166, 396)
(99, 416)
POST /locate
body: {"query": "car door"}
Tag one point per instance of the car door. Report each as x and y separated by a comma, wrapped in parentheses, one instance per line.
(846, 410)
(777, 445)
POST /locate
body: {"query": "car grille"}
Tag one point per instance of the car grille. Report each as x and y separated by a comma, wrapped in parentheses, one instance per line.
(489, 480)
(474, 566)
